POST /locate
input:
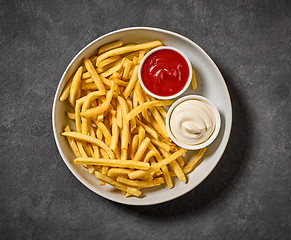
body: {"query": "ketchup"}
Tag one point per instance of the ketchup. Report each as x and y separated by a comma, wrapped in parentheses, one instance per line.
(165, 72)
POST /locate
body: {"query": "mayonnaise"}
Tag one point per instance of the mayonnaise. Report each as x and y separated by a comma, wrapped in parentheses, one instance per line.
(192, 122)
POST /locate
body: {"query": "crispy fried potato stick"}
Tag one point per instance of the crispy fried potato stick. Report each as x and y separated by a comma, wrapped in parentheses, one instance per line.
(141, 150)
(72, 143)
(108, 61)
(120, 186)
(66, 92)
(126, 49)
(113, 163)
(96, 78)
(144, 106)
(131, 83)
(110, 46)
(115, 172)
(195, 162)
(148, 129)
(90, 139)
(164, 162)
(193, 80)
(104, 106)
(140, 183)
(176, 167)
(75, 85)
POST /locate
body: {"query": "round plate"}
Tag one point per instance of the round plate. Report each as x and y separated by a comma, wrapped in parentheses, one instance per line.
(210, 85)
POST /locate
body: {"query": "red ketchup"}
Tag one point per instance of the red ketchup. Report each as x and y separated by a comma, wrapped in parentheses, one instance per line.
(165, 72)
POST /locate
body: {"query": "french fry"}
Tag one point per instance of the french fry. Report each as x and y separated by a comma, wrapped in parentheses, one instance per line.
(75, 86)
(92, 71)
(140, 183)
(193, 80)
(100, 109)
(90, 139)
(120, 186)
(132, 121)
(115, 134)
(113, 163)
(108, 61)
(126, 49)
(141, 150)
(126, 68)
(115, 172)
(134, 145)
(164, 162)
(195, 162)
(66, 92)
(175, 166)
(125, 133)
(132, 82)
(110, 46)
(145, 106)
(73, 143)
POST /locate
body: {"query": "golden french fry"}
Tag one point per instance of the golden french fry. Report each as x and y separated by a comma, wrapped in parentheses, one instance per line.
(148, 129)
(73, 143)
(160, 121)
(141, 150)
(66, 92)
(126, 49)
(115, 172)
(105, 132)
(144, 106)
(132, 82)
(175, 166)
(141, 55)
(115, 134)
(110, 71)
(132, 121)
(78, 105)
(195, 162)
(110, 46)
(90, 139)
(141, 99)
(113, 163)
(71, 115)
(134, 145)
(193, 80)
(150, 154)
(126, 68)
(164, 162)
(125, 133)
(92, 71)
(100, 109)
(166, 147)
(75, 85)
(120, 186)
(140, 183)
(108, 61)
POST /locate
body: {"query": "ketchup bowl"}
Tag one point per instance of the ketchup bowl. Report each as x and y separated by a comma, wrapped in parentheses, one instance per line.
(165, 72)
(193, 122)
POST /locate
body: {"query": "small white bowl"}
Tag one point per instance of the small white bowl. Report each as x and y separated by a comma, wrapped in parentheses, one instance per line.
(212, 136)
(171, 96)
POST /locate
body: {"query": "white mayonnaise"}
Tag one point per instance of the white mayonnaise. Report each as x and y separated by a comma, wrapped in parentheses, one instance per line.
(192, 122)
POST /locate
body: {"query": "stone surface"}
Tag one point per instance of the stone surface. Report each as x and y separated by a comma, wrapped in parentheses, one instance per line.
(248, 194)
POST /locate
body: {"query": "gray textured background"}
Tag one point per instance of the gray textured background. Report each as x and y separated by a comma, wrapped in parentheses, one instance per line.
(248, 194)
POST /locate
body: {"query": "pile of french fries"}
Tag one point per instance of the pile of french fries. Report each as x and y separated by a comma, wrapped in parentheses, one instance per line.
(120, 133)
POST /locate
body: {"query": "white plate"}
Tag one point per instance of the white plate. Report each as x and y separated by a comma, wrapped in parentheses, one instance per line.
(210, 85)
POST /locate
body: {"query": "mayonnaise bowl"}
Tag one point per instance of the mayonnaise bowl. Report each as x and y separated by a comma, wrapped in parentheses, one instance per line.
(193, 122)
